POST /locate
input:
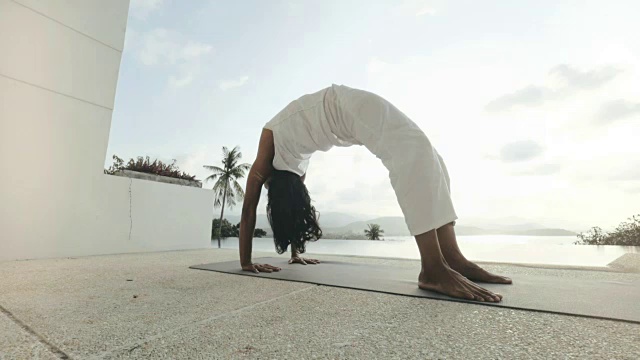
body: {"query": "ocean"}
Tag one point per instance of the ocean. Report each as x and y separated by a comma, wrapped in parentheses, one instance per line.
(543, 250)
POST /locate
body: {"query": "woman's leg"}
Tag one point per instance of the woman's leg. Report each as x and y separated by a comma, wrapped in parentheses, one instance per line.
(457, 261)
(436, 275)
(418, 181)
(451, 251)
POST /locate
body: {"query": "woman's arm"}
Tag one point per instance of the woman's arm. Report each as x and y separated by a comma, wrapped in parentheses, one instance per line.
(259, 173)
(248, 219)
(296, 259)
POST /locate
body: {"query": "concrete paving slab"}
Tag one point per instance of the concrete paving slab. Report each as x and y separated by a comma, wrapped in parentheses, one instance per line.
(16, 343)
(568, 272)
(331, 323)
(87, 308)
(627, 262)
(87, 305)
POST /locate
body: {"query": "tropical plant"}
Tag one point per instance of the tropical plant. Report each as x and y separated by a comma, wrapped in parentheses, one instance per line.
(258, 233)
(223, 230)
(145, 165)
(226, 230)
(626, 234)
(226, 188)
(374, 232)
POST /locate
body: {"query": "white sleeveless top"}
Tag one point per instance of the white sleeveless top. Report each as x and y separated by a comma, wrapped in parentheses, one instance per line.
(308, 124)
(342, 116)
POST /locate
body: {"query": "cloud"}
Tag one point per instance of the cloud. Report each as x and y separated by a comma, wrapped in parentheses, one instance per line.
(376, 65)
(564, 80)
(192, 162)
(530, 95)
(632, 189)
(367, 191)
(358, 192)
(195, 49)
(169, 49)
(155, 47)
(141, 9)
(617, 110)
(630, 173)
(165, 47)
(230, 84)
(520, 151)
(417, 8)
(541, 170)
(181, 81)
(611, 170)
(627, 179)
(426, 10)
(578, 79)
(295, 8)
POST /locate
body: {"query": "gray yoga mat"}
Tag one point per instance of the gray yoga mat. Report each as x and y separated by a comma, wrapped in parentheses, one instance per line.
(615, 300)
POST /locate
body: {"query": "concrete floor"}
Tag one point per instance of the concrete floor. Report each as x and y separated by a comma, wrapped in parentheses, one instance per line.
(152, 306)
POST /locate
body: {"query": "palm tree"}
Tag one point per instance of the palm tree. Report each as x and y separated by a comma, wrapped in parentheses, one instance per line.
(374, 232)
(227, 189)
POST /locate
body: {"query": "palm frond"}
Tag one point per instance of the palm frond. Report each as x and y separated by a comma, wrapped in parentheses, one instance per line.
(236, 151)
(213, 168)
(231, 200)
(212, 177)
(217, 202)
(245, 166)
(240, 170)
(225, 177)
(230, 163)
(232, 157)
(216, 172)
(238, 190)
(219, 186)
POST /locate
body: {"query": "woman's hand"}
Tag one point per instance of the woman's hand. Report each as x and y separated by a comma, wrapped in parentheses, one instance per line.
(258, 268)
(303, 261)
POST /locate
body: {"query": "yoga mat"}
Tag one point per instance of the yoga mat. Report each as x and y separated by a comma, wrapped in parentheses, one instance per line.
(614, 300)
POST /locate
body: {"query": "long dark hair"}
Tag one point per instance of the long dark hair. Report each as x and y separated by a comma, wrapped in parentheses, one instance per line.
(292, 217)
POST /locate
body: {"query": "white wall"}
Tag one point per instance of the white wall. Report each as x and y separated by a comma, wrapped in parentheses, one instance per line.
(59, 63)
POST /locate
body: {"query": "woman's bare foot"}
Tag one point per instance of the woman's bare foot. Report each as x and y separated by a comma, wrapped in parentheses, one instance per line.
(447, 281)
(303, 261)
(453, 256)
(475, 273)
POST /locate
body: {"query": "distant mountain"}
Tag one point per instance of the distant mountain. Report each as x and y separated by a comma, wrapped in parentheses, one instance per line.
(336, 219)
(471, 230)
(545, 232)
(340, 223)
(392, 226)
(511, 223)
(396, 226)
(327, 220)
(519, 223)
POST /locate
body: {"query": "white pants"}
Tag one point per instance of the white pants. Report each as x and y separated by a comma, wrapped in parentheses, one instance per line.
(417, 172)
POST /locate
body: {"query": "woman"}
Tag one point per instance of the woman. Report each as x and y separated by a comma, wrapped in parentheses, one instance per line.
(342, 116)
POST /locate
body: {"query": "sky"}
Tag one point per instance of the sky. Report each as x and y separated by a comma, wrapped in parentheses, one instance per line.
(534, 105)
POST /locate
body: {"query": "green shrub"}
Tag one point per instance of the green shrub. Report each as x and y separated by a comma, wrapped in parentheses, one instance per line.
(626, 234)
(229, 230)
(145, 165)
